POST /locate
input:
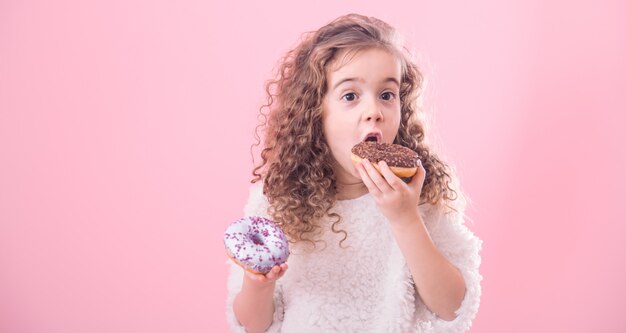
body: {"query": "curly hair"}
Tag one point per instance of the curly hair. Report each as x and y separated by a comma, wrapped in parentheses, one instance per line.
(299, 181)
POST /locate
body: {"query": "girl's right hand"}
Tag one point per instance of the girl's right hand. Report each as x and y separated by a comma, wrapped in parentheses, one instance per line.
(265, 279)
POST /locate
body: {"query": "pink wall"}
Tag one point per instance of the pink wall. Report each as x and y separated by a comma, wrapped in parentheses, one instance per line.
(125, 128)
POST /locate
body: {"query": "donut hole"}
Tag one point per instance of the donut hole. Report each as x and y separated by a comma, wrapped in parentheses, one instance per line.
(257, 240)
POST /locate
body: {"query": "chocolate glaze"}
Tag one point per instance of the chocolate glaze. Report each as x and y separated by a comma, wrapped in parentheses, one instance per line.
(395, 155)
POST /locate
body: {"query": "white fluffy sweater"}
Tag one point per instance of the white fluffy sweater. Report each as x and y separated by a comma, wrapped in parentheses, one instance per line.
(365, 286)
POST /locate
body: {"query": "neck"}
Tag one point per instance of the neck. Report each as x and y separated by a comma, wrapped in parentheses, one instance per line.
(348, 186)
(350, 190)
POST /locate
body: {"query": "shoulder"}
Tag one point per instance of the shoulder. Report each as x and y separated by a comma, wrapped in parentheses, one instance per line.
(256, 189)
(257, 202)
(447, 221)
(447, 211)
(448, 230)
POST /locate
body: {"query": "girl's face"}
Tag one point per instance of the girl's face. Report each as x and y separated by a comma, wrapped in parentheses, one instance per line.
(362, 100)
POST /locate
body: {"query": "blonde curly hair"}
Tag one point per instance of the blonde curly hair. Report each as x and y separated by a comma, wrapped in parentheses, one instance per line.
(299, 181)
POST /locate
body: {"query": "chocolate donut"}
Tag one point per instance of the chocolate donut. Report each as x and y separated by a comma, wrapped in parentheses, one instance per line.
(401, 160)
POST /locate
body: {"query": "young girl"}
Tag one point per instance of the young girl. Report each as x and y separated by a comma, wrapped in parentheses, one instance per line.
(369, 251)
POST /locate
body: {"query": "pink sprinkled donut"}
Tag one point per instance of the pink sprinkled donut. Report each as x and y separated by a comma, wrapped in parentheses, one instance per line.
(256, 244)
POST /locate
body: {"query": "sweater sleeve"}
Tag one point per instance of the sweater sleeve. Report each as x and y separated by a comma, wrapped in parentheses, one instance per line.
(256, 206)
(461, 247)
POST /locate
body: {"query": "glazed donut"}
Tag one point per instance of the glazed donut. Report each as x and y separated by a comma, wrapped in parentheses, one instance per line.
(256, 244)
(401, 160)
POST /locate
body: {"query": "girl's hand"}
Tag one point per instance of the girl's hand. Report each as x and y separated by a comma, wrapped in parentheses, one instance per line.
(262, 280)
(397, 200)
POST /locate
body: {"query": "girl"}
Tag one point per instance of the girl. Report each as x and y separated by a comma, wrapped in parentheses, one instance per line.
(369, 252)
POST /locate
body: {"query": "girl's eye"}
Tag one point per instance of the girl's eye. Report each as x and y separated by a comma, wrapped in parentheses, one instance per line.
(349, 97)
(387, 95)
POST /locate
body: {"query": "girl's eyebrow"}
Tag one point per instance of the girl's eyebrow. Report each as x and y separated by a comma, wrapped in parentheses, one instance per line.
(392, 79)
(350, 79)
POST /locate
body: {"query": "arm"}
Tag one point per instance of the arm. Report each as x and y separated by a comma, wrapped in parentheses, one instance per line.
(254, 305)
(442, 287)
(242, 287)
(439, 284)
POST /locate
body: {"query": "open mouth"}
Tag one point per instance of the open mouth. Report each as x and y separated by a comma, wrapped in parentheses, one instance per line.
(373, 137)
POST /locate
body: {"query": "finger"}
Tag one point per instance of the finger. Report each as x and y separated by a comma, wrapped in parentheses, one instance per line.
(256, 277)
(282, 272)
(376, 177)
(273, 273)
(394, 181)
(371, 187)
(418, 179)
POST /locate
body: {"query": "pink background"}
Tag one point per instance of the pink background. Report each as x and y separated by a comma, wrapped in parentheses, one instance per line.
(125, 129)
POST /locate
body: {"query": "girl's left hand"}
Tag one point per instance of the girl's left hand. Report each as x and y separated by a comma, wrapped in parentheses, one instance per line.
(397, 200)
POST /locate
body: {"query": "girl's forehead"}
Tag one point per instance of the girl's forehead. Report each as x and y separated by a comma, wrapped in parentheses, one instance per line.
(347, 56)
(380, 60)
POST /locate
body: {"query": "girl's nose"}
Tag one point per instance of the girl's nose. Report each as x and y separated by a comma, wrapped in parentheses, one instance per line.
(373, 112)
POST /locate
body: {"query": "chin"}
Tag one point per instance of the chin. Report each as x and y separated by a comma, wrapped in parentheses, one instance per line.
(354, 174)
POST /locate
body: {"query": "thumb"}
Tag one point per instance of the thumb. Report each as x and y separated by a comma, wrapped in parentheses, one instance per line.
(418, 178)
